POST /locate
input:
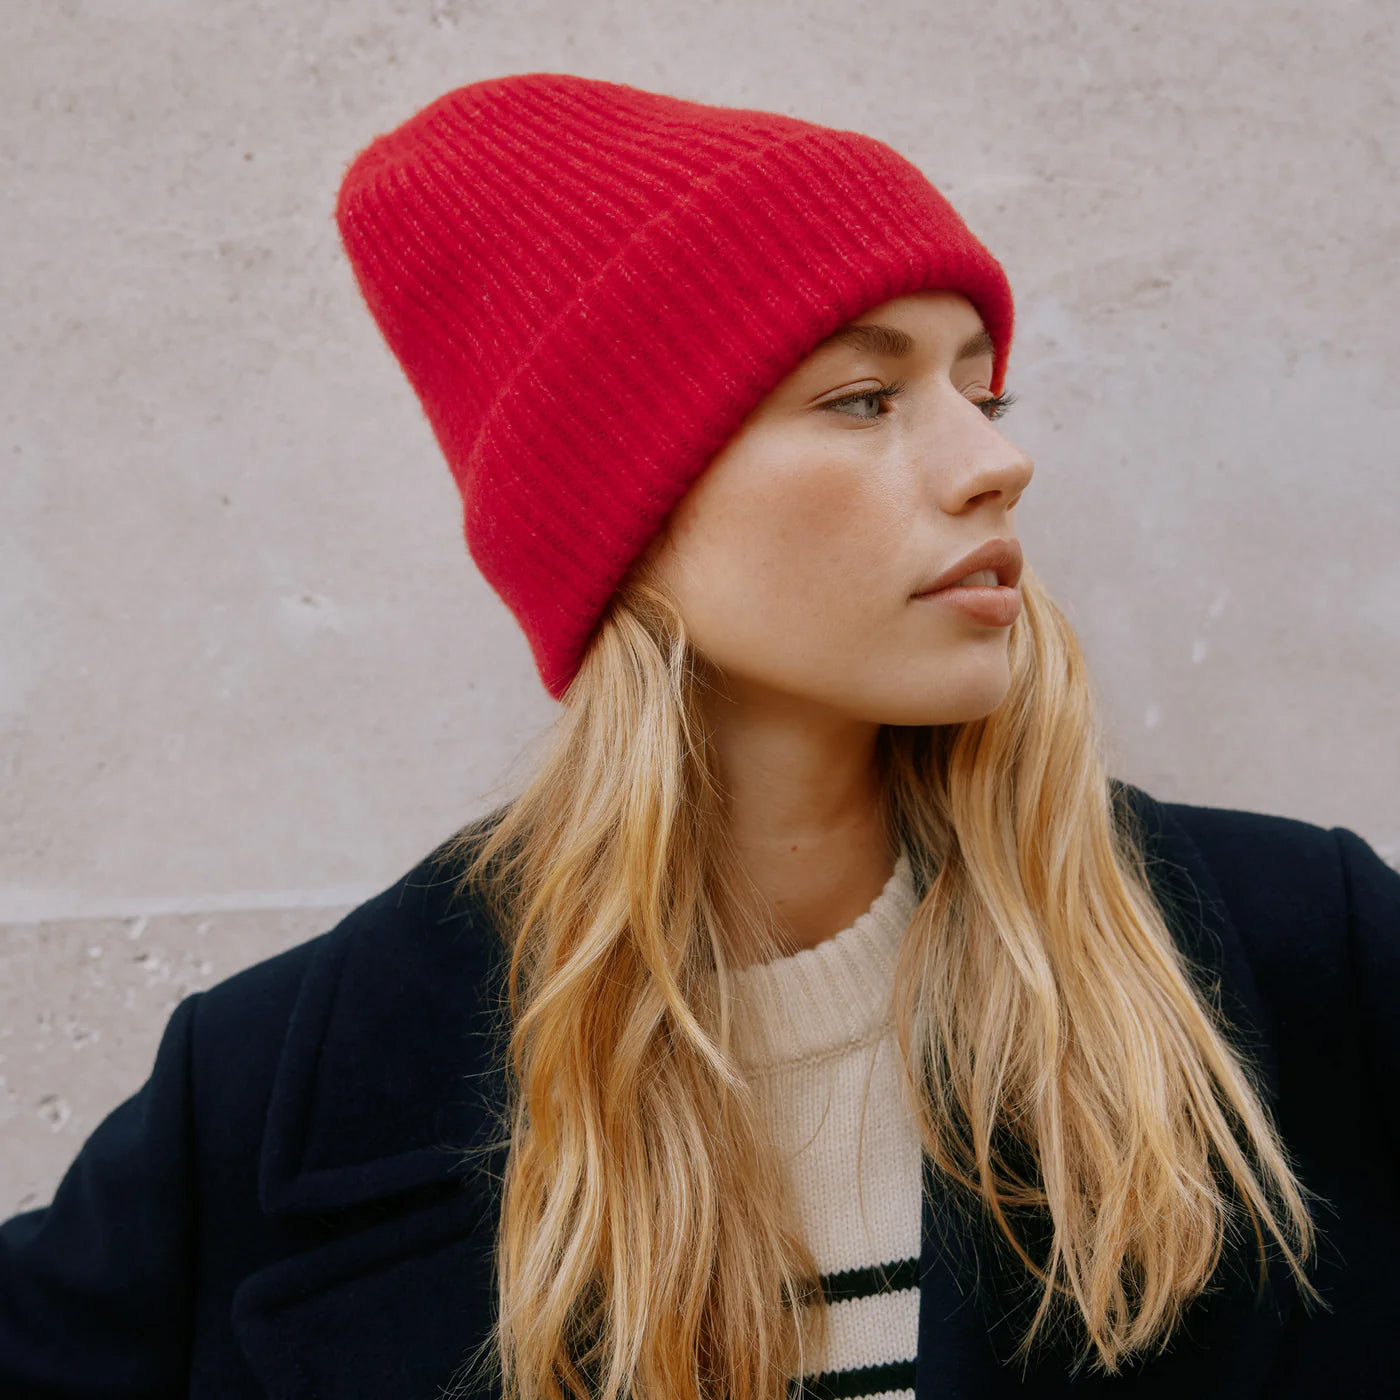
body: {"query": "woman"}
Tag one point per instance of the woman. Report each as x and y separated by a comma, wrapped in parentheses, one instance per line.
(821, 1008)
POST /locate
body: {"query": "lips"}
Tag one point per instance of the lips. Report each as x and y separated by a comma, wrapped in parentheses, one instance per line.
(1002, 556)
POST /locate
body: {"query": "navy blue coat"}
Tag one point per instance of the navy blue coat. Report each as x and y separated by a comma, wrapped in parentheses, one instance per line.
(281, 1211)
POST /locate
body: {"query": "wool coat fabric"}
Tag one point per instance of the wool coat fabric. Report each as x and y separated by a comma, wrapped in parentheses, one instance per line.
(283, 1209)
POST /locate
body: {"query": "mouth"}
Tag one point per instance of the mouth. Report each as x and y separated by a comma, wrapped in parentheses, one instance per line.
(989, 605)
(997, 563)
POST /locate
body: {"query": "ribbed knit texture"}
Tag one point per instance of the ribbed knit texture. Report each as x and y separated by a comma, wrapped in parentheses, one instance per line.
(813, 1029)
(590, 287)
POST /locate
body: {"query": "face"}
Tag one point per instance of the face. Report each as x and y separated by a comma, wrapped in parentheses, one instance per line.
(794, 558)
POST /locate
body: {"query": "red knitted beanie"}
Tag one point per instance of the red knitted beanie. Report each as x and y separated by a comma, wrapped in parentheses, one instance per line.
(590, 287)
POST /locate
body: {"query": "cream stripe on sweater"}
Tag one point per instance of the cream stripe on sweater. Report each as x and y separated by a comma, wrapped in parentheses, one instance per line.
(812, 1028)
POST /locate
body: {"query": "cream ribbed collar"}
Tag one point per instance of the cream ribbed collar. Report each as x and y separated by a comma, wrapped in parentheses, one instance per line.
(823, 999)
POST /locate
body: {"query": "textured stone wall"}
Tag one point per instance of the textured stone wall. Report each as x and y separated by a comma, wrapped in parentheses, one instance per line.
(249, 673)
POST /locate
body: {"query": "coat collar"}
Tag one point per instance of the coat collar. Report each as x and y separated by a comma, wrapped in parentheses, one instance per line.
(398, 1009)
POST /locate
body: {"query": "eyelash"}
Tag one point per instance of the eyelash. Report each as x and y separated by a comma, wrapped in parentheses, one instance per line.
(999, 404)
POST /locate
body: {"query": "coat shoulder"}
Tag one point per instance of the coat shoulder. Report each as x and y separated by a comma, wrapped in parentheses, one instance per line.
(1272, 873)
(1305, 919)
(387, 953)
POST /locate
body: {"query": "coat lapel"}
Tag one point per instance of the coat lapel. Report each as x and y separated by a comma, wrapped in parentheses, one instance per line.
(389, 1077)
(391, 1309)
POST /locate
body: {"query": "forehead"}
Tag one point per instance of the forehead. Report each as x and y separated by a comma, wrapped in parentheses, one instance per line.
(937, 321)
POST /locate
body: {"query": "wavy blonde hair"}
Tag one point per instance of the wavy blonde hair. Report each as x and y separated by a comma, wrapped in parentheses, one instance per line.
(1045, 1018)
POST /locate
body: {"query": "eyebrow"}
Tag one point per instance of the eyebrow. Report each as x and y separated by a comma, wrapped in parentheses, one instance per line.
(881, 339)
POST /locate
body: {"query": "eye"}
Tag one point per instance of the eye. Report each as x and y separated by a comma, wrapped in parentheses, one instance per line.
(875, 396)
(994, 408)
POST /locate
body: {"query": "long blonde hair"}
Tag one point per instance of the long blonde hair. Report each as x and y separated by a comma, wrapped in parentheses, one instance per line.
(1044, 1014)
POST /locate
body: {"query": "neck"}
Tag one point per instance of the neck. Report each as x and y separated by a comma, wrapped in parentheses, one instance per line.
(805, 815)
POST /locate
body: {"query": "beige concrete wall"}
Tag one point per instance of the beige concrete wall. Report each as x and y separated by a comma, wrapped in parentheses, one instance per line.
(250, 675)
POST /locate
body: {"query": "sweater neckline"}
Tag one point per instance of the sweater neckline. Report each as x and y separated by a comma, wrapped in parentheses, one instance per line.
(834, 996)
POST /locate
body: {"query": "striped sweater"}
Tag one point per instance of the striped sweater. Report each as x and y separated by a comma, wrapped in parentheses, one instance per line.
(815, 1032)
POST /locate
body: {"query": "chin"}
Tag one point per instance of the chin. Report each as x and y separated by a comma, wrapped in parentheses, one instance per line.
(926, 716)
(945, 699)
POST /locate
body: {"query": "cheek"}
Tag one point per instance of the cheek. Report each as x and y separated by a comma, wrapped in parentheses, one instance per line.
(781, 561)
(842, 537)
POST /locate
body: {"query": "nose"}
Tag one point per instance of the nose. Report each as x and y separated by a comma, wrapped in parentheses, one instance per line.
(992, 468)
